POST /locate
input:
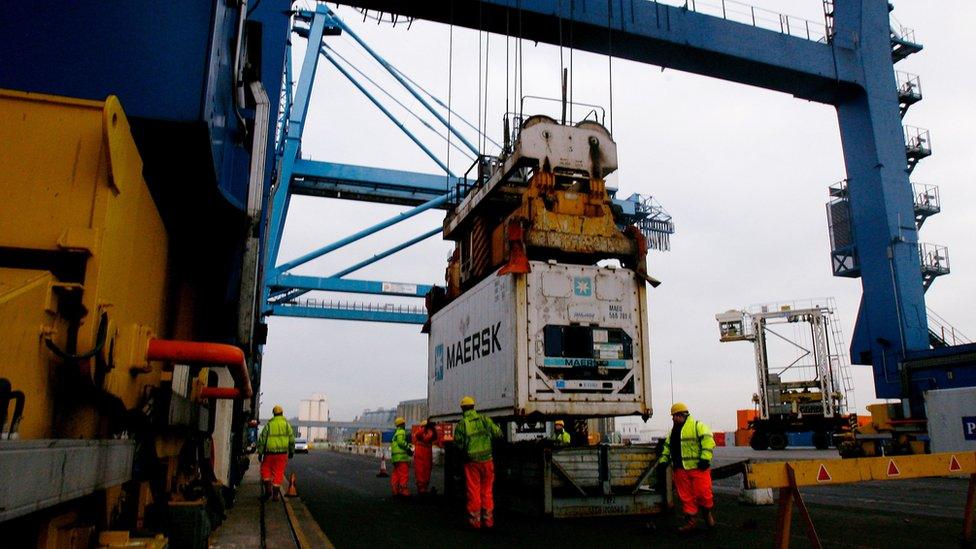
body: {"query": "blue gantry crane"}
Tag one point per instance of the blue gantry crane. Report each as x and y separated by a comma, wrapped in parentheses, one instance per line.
(847, 61)
(420, 191)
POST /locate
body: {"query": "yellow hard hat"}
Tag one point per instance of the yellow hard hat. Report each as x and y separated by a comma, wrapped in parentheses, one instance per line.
(678, 408)
(400, 421)
(467, 401)
(277, 410)
(560, 423)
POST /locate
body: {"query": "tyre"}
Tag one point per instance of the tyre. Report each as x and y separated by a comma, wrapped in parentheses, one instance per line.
(778, 441)
(759, 441)
(821, 440)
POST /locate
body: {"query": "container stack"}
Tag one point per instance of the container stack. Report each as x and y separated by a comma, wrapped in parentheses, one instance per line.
(743, 433)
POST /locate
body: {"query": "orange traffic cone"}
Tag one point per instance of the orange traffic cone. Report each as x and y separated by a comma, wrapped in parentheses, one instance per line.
(292, 487)
(382, 472)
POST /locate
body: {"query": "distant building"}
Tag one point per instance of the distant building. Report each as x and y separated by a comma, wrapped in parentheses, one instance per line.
(413, 411)
(314, 409)
(380, 416)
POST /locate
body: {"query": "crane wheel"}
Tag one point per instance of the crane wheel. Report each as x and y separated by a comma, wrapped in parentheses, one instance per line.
(778, 441)
(759, 441)
(821, 440)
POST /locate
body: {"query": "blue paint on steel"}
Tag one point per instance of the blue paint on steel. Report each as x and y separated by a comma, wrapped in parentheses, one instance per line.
(387, 253)
(293, 135)
(287, 97)
(394, 317)
(343, 285)
(362, 234)
(384, 110)
(892, 318)
(852, 71)
(662, 35)
(171, 68)
(365, 183)
(801, 439)
(294, 292)
(395, 74)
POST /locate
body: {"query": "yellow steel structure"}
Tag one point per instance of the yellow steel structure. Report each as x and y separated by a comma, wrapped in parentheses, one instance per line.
(841, 471)
(90, 255)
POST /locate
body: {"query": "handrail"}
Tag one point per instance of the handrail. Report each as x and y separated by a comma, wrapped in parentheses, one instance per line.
(739, 12)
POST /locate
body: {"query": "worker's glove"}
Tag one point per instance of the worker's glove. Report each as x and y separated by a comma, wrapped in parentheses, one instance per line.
(291, 455)
(704, 464)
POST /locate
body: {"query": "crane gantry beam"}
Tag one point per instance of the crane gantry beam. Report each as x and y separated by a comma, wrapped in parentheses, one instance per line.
(798, 59)
(849, 64)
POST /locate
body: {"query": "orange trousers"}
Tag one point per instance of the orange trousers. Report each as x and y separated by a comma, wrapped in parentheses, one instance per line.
(273, 468)
(400, 478)
(423, 458)
(479, 477)
(694, 489)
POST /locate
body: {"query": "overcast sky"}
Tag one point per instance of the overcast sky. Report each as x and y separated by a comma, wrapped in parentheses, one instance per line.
(743, 171)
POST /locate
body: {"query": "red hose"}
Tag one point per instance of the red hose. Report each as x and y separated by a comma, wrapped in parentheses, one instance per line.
(213, 354)
(220, 392)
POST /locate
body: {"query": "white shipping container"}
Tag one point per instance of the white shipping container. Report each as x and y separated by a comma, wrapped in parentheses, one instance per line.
(952, 419)
(562, 340)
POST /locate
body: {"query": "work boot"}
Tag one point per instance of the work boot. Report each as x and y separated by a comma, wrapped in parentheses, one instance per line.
(689, 525)
(487, 519)
(710, 518)
(276, 491)
(266, 490)
(474, 521)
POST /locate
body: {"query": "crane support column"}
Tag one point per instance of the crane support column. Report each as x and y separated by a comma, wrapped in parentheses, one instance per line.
(892, 319)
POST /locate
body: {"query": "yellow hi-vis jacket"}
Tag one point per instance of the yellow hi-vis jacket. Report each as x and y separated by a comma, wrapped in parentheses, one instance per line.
(696, 444)
(277, 437)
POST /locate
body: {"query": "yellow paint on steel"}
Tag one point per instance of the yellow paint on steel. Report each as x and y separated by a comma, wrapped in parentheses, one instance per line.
(71, 186)
(842, 471)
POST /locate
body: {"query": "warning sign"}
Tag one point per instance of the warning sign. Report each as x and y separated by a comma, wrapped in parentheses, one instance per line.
(893, 470)
(954, 465)
(823, 475)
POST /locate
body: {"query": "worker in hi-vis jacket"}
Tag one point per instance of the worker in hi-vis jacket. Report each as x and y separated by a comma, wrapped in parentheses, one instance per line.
(400, 452)
(560, 437)
(276, 446)
(473, 436)
(689, 451)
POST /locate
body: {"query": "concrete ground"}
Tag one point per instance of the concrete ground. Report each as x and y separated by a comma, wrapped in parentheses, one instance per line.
(354, 507)
(252, 523)
(934, 497)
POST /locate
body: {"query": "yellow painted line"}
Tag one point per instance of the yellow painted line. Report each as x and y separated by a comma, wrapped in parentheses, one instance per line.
(307, 531)
(842, 471)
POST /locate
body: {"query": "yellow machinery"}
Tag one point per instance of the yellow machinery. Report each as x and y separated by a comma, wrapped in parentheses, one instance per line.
(888, 433)
(87, 385)
(546, 200)
(77, 218)
(368, 437)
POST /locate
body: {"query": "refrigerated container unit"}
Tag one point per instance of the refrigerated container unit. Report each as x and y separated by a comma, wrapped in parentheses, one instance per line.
(560, 341)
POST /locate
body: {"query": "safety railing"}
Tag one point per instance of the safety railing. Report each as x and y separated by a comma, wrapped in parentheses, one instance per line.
(740, 12)
(357, 306)
(947, 332)
(917, 141)
(904, 34)
(927, 198)
(909, 85)
(934, 258)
